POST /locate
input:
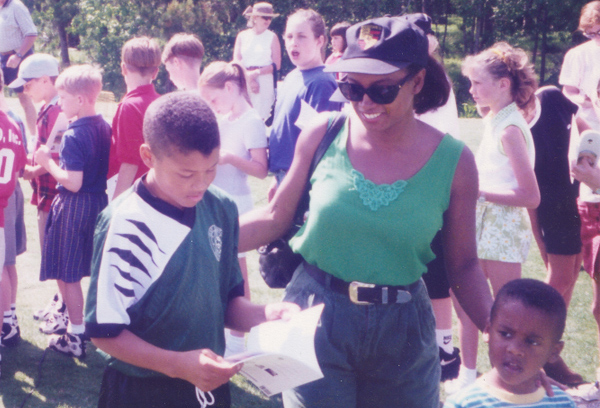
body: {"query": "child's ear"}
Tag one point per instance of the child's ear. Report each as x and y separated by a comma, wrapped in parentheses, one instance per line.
(123, 69)
(147, 156)
(556, 350)
(505, 83)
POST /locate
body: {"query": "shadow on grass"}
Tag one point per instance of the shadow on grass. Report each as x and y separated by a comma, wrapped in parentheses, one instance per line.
(245, 395)
(64, 382)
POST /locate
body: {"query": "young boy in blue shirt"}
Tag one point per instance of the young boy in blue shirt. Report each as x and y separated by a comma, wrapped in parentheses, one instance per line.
(526, 325)
(81, 176)
(165, 276)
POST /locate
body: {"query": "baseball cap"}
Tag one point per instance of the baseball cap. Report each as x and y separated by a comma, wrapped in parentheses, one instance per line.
(35, 66)
(421, 20)
(589, 146)
(381, 46)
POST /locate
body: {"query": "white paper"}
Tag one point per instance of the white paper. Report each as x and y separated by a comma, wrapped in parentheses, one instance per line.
(281, 354)
(306, 115)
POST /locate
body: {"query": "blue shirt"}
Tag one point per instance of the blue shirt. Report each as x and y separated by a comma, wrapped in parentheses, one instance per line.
(85, 146)
(313, 86)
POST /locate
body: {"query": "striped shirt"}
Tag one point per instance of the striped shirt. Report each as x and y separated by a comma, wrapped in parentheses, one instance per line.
(483, 395)
(15, 25)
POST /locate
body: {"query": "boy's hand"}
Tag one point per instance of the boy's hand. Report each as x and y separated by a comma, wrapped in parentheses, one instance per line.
(281, 310)
(225, 157)
(205, 369)
(43, 156)
(582, 171)
(28, 172)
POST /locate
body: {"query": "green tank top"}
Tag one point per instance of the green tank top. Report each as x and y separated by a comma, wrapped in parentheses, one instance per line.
(381, 234)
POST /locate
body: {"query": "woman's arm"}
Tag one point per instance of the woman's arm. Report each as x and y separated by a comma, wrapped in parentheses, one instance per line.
(527, 193)
(263, 225)
(257, 165)
(460, 248)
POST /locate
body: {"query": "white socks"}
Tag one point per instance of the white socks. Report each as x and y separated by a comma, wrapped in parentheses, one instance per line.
(444, 340)
(76, 328)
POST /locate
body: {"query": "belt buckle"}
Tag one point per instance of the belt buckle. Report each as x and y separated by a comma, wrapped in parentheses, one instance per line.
(353, 291)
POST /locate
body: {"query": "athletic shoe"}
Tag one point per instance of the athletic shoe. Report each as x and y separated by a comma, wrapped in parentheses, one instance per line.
(450, 364)
(56, 324)
(585, 393)
(459, 383)
(71, 345)
(45, 313)
(11, 334)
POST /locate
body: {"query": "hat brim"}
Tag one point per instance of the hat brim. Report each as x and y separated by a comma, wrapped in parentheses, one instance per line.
(259, 14)
(365, 66)
(17, 83)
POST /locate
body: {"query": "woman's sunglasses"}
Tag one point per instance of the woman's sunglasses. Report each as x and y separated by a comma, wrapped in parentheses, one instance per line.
(380, 94)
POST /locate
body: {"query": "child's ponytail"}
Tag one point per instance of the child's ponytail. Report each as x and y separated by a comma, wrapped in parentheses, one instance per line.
(218, 73)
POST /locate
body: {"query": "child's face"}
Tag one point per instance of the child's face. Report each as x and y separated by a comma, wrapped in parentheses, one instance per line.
(303, 48)
(180, 179)
(521, 340)
(69, 103)
(484, 88)
(35, 89)
(337, 43)
(220, 100)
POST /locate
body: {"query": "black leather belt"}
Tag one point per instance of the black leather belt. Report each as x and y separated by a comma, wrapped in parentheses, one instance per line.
(363, 293)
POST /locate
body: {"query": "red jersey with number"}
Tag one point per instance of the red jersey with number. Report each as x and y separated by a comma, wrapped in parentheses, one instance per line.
(12, 159)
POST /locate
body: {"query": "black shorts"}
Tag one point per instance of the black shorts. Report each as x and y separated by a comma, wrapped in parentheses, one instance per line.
(10, 74)
(119, 390)
(435, 279)
(560, 226)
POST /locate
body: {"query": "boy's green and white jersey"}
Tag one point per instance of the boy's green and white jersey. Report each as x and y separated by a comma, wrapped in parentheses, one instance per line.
(163, 273)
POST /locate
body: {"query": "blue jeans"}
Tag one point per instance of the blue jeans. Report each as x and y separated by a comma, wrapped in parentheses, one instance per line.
(371, 355)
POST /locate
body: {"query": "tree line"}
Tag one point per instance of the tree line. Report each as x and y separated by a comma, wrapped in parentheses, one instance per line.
(98, 28)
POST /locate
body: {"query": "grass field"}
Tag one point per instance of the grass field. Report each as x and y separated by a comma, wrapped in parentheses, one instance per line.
(71, 383)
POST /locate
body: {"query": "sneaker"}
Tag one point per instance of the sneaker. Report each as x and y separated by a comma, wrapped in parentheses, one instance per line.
(45, 313)
(72, 345)
(450, 364)
(459, 383)
(11, 334)
(56, 324)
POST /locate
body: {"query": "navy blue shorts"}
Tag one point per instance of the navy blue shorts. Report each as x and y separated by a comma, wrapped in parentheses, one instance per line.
(119, 390)
(68, 244)
(436, 280)
(561, 226)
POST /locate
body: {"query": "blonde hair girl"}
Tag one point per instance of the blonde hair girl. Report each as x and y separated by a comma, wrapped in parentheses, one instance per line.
(243, 147)
(503, 85)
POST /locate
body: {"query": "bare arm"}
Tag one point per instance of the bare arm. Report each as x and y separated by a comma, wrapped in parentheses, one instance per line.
(71, 180)
(203, 368)
(242, 314)
(527, 193)
(14, 60)
(256, 166)
(125, 178)
(237, 48)
(263, 225)
(460, 249)
(572, 92)
(276, 52)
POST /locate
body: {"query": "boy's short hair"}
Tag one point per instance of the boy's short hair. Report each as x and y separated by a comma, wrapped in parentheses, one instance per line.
(141, 55)
(84, 80)
(181, 121)
(182, 45)
(536, 294)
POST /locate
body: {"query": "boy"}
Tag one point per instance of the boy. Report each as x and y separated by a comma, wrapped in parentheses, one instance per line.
(81, 196)
(526, 324)
(140, 59)
(15, 244)
(12, 161)
(182, 57)
(166, 279)
(37, 76)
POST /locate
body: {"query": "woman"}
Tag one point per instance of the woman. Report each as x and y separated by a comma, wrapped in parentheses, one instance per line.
(379, 195)
(259, 51)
